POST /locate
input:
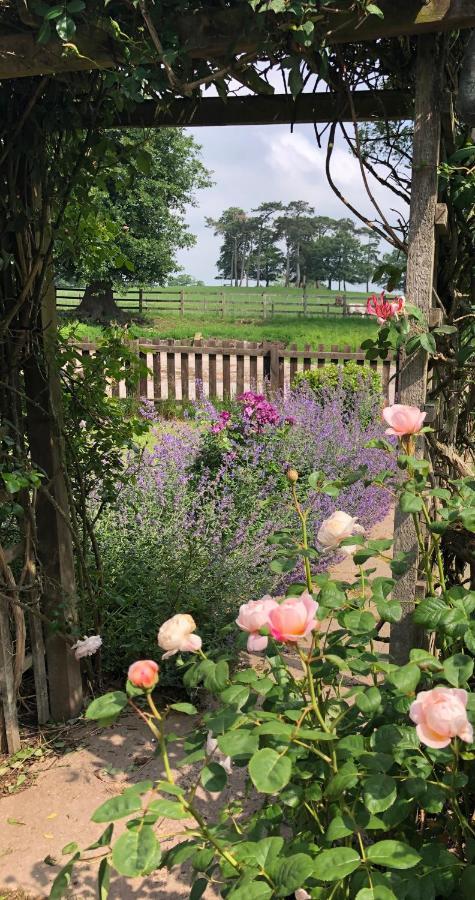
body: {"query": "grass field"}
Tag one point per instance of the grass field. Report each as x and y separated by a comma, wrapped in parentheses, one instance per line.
(341, 331)
(332, 331)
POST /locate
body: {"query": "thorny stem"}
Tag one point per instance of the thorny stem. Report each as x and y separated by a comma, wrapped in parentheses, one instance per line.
(303, 520)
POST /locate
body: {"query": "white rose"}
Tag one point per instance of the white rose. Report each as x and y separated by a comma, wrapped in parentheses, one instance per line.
(336, 528)
(175, 635)
(88, 646)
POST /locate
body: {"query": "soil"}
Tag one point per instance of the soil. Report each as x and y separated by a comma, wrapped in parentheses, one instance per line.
(63, 791)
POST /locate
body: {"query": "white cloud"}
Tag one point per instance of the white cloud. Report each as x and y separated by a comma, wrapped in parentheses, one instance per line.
(253, 164)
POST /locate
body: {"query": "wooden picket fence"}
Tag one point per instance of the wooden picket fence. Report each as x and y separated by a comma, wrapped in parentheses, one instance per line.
(218, 369)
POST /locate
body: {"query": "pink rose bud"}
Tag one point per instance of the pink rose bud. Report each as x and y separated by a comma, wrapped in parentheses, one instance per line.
(143, 674)
(440, 715)
(253, 616)
(403, 419)
(175, 635)
(336, 528)
(294, 618)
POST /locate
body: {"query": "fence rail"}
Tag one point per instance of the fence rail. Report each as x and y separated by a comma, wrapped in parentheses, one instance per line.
(224, 304)
(179, 370)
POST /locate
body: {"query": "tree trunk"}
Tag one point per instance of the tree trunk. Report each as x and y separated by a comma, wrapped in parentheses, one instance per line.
(287, 266)
(98, 304)
(258, 272)
(297, 264)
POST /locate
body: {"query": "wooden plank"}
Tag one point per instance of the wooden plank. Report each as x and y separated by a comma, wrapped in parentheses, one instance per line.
(253, 369)
(226, 372)
(307, 360)
(39, 668)
(293, 364)
(276, 109)
(239, 374)
(185, 376)
(419, 285)
(143, 378)
(213, 390)
(157, 379)
(210, 37)
(171, 375)
(9, 731)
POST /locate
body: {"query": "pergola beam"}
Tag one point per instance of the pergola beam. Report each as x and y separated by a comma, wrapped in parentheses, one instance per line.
(223, 33)
(277, 109)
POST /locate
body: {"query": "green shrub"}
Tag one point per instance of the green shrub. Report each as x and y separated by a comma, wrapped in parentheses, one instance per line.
(352, 379)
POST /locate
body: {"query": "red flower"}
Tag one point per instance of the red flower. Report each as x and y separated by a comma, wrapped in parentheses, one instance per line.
(384, 309)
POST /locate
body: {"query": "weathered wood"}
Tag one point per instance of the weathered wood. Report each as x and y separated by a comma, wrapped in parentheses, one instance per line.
(38, 658)
(419, 286)
(231, 30)
(55, 550)
(441, 219)
(279, 109)
(9, 732)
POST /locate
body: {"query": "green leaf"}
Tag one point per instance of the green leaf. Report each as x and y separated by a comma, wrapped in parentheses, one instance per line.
(467, 517)
(346, 779)
(118, 807)
(410, 503)
(377, 892)
(295, 81)
(290, 873)
(104, 840)
(339, 827)
(65, 27)
(213, 777)
(458, 669)
(136, 852)
(374, 10)
(335, 864)
(54, 12)
(236, 695)
(406, 678)
(393, 854)
(467, 883)
(103, 879)
(358, 621)
(187, 708)
(379, 793)
(281, 565)
(107, 707)
(427, 341)
(269, 771)
(254, 890)
(368, 701)
(179, 854)
(429, 612)
(168, 808)
(70, 848)
(60, 885)
(238, 743)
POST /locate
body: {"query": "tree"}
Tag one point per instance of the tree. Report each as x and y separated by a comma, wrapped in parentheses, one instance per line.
(235, 229)
(126, 225)
(296, 227)
(391, 271)
(369, 254)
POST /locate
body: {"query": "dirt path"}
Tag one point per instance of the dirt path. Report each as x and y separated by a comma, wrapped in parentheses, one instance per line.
(37, 822)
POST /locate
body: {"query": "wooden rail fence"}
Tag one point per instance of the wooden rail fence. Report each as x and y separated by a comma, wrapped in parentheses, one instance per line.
(219, 369)
(224, 304)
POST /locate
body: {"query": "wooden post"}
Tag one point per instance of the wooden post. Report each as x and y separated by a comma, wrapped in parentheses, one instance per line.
(182, 303)
(55, 550)
(222, 304)
(9, 733)
(140, 300)
(419, 285)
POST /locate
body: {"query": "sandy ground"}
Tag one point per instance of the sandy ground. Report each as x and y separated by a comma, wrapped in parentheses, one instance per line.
(36, 823)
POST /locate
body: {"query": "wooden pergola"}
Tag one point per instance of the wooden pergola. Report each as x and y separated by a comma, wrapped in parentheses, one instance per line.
(209, 36)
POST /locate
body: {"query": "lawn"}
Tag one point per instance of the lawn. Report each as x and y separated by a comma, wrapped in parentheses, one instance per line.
(333, 331)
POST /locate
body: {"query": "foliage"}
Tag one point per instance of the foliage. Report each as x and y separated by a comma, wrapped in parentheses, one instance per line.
(124, 223)
(191, 521)
(315, 248)
(349, 798)
(353, 380)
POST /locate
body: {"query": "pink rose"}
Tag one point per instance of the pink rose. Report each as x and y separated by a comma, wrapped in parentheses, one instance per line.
(294, 618)
(252, 617)
(175, 635)
(403, 419)
(143, 674)
(88, 646)
(440, 715)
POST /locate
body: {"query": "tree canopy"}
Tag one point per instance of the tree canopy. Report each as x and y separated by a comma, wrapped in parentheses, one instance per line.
(125, 219)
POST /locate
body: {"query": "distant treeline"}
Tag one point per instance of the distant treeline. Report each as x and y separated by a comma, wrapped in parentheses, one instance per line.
(289, 243)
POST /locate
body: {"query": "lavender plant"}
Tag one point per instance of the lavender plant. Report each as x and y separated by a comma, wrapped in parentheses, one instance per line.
(194, 518)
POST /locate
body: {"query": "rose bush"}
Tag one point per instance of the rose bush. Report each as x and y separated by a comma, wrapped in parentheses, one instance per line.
(360, 772)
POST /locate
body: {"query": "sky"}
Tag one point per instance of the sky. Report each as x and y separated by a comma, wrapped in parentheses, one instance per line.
(253, 164)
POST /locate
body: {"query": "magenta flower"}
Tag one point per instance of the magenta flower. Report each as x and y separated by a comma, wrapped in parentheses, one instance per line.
(384, 309)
